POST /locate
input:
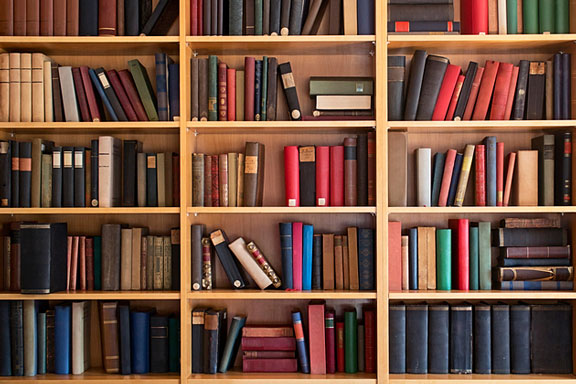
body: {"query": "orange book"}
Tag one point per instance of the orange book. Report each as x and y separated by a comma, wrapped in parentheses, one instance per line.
(511, 93)
(231, 90)
(509, 176)
(455, 97)
(499, 174)
(446, 177)
(473, 94)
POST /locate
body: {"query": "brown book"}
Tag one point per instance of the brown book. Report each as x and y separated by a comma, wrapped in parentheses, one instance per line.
(398, 155)
(207, 181)
(111, 243)
(73, 17)
(120, 15)
(143, 263)
(426, 257)
(526, 180)
(350, 172)
(161, 178)
(25, 87)
(19, 18)
(82, 263)
(167, 259)
(328, 261)
(15, 88)
(223, 179)
(215, 190)
(349, 11)
(7, 18)
(107, 19)
(46, 17)
(150, 262)
(109, 334)
(198, 189)
(538, 222)
(353, 257)
(59, 17)
(338, 263)
(345, 262)
(222, 92)
(492, 17)
(137, 234)
(90, 263)
(254, 174)
(46, 188)
(32, 17)
(239, 95)
(5, 87)
(126, 259)
(267, 331)
(335, 17)
(158, 263)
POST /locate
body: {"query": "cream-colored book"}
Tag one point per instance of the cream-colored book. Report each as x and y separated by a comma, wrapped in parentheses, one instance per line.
(15, 87)
(526, 178)
(109, 171)
(4, 87)
(502, 21)
(464, 175)
(349, 11)
(238, 247)
(240, 189)
(38, 60)
(48, 102)
(80, 337)
(158, 263)
(343, 102)
(126, 259)
(26, 87)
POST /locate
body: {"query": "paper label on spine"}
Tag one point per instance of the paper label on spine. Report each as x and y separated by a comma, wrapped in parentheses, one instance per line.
(78, 160)
(307, 154)
(288, 80)
(67, 159)
(251, 164)
(291, 202)
(104, 80)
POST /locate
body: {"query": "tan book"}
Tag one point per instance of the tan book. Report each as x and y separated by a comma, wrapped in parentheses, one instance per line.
(80, 337)
(427, 248)
(143, 263)
(353, 257)
(240, 182)
(520, 18)
(223, 179)
(141, 179)
(161, 178)
(15, 87)
(232, 179)
(167, 261)
(328, 261)
(4, 87)
(168, 176)
(109, 336)
(349, 11)
(343, 102)
(137, 234)
(405, 264)
(526, 178)
(239, 95)
(46, 188)
(493, 17)
(150, 260)
(398, 155)
(38, 113)
(549, 97)
(338, 263)
(464, 175)
(422, 259)
(26, 87)
(126, 259)
(39, 146)
(48, 101)
(158, 263)
(345, 262)
(238, 248)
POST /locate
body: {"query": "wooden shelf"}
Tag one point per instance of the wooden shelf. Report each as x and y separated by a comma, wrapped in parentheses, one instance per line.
(67, 128)
(90, 211)
(95, 295)
(234, 377)
(483, 125)
(480, 379)
(97, 376)
(310, 210)
(252, 294)
(484, 210)
(278, 127)
(474, 42)
(481, 295)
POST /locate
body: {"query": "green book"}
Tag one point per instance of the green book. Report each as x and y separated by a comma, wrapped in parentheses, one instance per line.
(258, 5)
(341, 85)
(232, 344)
(546, 16)
(562, 16)
(473, 258)
(350, 342)
(530, 16)
(213, 88)
(144, 88)
(512, 17)
(443, 259)
(484, 256)
(174, 344)
(97, 263)
(264, 97)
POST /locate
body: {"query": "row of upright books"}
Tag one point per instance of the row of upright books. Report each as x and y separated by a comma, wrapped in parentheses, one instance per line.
(282, 17)
(482, 338)
(331, 344)
(34, 88)
(86, 17)
(437, 90)
(422, 16)
(110, 173)
(44, 258)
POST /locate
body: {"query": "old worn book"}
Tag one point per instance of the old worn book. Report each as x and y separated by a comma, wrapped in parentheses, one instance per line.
(338, 263)
(38, 86)
(161, 178)
(167, 260)
(71, 111)
(109, 334)
(15, 87)
(111, 255)
(144, 87)
(109, 172)
(254, 174)
(135, 278)
(542, 273)
(81, 332)
(5, 86)
(26, 87)
(232, 179)
(545, 146)
(537, 222)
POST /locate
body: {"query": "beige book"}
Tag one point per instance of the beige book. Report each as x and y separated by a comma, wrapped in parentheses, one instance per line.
(141, 179)
(526, 178)
(426, 257)
(493, 17)
(143, 263)
(345, 262)
(353, 257)
(339, 102)
(502, 23)
(68, 90)
(158, 263)
(80, 337)
(46, 189)
(48, 101)
(26, 87)
(349, 11)
(464, 175)
(150, 260)
(109, 171)
(38, 86)
(398, 155)
(136, 257)
(15, 87)
(161, 178)
(168, 178)
(238, 248)
(240, 185)
(167, 272)
(126, 259)
(549, 98)
(232, 179)
(239, 95)
(405, 264)
(4, 87)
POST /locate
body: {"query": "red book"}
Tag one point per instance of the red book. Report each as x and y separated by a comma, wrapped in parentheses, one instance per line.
(330, 343)
(460, 253)
(46, 17)
(73, 16)
(107, 19)
(509, 176)
(316, 339)
(455, 96)
(473, 17)
(194, 17)
(20, 18)
(82, 264)
(485, 90)
(269, 365)
(176, 180)
(231, 97)
(322, 176)
(200, 18)
(340, 346)
(371, 168)
(337, 176)
(222, 92)
(215, 182)
(446, 177)
(297, 256)
(501, 91)
(292, 176)
(7, 18)
(32, 17)
(90, 95)
(130, 88)
(511, 93)
(499, 174)
(268, 343)
(122, 95)
(207, 181)
(394, 255)
(480, 191)
(446, 91)
(74, 263)
(249, 78)
(473, 94)
(268, 354)
(370, 341)
(81, 95)
(90, 263)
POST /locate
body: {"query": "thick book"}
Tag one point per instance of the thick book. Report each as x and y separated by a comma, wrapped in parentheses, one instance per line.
(268, 343)
(460, 252)
(563, 168)
(551, 346)
(110, 94)
(161, 19)
(396, 81)
(542, 273)
(159, 343)
(111, 239)
(238, 247)
(443, 259)
(68, 176)
(519, 109)
(292, 176)
(397, 321)
(536, 90)
(519, 339)
(307, 167)
(316, 337)
(337, 176)
(129, 180)
(445, 93)
(439, 338)
(500, 327)
(434, 72)
(269, 365)
(62, 336)
(144, 88)
(140, 346)
(254, 174)
(416, 331)
(501, 90)
(17, 338)
(530, 237)
(491, 170)
(290, 91)
(228, 262)
(485, 90)
(482, 352)
(461, 339)
(232, 344)
(109, 172)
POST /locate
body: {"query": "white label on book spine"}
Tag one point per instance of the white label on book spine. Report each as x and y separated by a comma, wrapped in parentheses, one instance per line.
(67, 159)
(56, 160)
(104, 80)
(78, 160)
(291, 202)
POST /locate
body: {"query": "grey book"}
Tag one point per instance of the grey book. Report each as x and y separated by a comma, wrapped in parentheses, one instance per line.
(111, 257)
(71, 112)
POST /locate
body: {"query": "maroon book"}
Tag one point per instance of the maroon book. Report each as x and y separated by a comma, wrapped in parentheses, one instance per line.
(215, 182)
(330, 343)
(7, 18)
(72, 17)
(19, 18)
(536, 252)
(269, 365)
(32, 17)
(207, 181)
(122, 96)
(350, 174)
(176, 180)
(107, 18)
(46, 17)
(59, 17)
(370, 341)
(371, 168)
(249, 78)
(15, 254)
(90, 95)
(81, 95)
(222, 92)
(269, 354)
(340, 346)
(90, 263)
(127, 82)
(268, 344)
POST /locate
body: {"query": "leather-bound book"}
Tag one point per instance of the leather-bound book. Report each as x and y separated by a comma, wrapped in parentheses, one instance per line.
(338, 263)
(90, 109)
(25, 173)
(111, 257)
(566, 90)
(5, 358)
(258, 71)
(316, 337)
(350, 172)
(94, 170)
(211, 341)
(438, 338)
(132, 20)
(371, 169)
(109, 334)
(20, 18)
(223, 179)
(7, 24)
(536, 91)
(161, 19)
(297, 256)
(81, 95)
(222, 92)
(59, 17)
(322, 175)
(26, 87)
(434, 72)
(32, 17)
(317, 262)
(120, 18)
(162, 60)
(285, 18)
(215, 181)
(203, 89)
(122, 96)
(519, 339)
(46, 17)
(397, 154)
(144, 88)
(271, 98)
(131, 149)
(56, 94)
(328, 261)
(17, 337)
(545, 146)
(397, 331)
(109, 172)
(39, 146)
(369, 340)
(132, 95)
(46, 187)
(361, 169)
(231, 94)
(471, 103)
(296, 11)
(88, 18)
(445, 93)
(416, 332)
(351, 341)
(519, 109)
(563, 168)
(228, 261)
(353, 261)
(9, 173)
(466, 91)
(140, 346)
(306, 180)
(124, 339)
(158, 343)
(235, 20)
(500, 328)
(198, 165)
(161, 179)
(212, 88)
(251, 266)
(107, 18)
(79, 178)
(482, 339)
(275, 15)
(69, 100)
(394, 255)
(249, 83)
(286, 253)
(254, 174)
(460, 252)
(491, 170)
(460, 339)
(330, 342)
(62, 338)
(15, 264)
(480, 184)
(396, 74)
(57, 176)
(5, 86)
(485, 90)
(198, 315)
(264, 90)
(366, 259)
(474, 17)
(550, 345)
(269, 365)
(337, 176)
(72, 17)
(289, 86)
(553, 273)
(110, 94)
(415, 84)
(194, 85)
(530, 237)
(151, 180)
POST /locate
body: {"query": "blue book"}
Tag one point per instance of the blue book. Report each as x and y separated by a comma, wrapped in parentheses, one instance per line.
(258, 90)
(439, 159)
(413, 258)
(366, 259)
(534, 262)
(455, 178)
(17, 338)
(474, 260)
(5, 359)
(174, 90)
(537, 285)
(140, 356)
(307, 239)
(365, 17)
(300, 342)
(41, 328)
(162, 61)
(62, 332)
(232, 344)
(103, 97)
(124, 338)
(286, 252)
(490, 143)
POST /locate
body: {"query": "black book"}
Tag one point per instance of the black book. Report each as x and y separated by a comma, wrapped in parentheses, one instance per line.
(557, 86)
(67, 176)
(220, 241)
(124, 338)
(25, 170)
(131, 148)
(5, 173)
(43, 257)
(164, 15)
(433, 75)
(93, 173)
(175, 234)
(307, 160)
(296, 13)
(416, 333)
(275, 11)
(361, 169)
(397, 313)
(285, 17)
(88, 18)
(151, 180)
(272, 97)
(258, 90)
(396, 74)
(536, 91)
(198, 339)
(196, 234)
(222, 331)
(211, 339)
(57, 177)
(158, 343)
(521, 89)
(465, 91)
(530, 237)
(438, 338)
(57, 94)
(500, 339)
(14, 166)
(414, 84)
(17, 337)
(566, 87)
(563, 169)
(317, 276)
(109, 91)
(519, 338)
(145, 12)
(5, 354)
(551, 336)
(461, 338)
(132, 17)
(289, 86)
(482, 339)
(79, 177)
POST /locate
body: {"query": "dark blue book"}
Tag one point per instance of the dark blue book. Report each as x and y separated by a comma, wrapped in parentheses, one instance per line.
(159, 343)
(438, 338)
(140, 354)
(365, 17)
(174, 90)
(439, 159)
(286, 252)
(62, 332)
(41, 339)
(102, 94)
(366, 259)
(124, 338)
(14, 171)
(132, 17)
(537, 285)
(258, 90)
(97, 263)
(317, 275)
(88, 18)
(397, 318)
(566, 87)
(300, 342)
(501, 339)
(551, 336)
(461, 338)
(416, 334)
(5, 354)
(307, 236)
(413, 258)
(232, 344)
(25, 174)
(490, 143)
(162, 61)
(534, 262)
(56, 176)
(455, 179)
(482, 339)
(519, 338)
(17, 337)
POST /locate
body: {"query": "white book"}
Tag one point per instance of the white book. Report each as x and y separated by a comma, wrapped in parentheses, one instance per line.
(343, 102)
(4, 87)
(109, 171)
(424, 176)
(502, 19)
(80, 337)
(238, 247)
(48, 101)
(71, 112)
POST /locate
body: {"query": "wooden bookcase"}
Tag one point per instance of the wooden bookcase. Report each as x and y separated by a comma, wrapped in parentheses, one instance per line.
(309, 55)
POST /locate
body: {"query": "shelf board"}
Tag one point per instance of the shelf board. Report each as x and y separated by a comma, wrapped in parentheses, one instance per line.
(90, 211)
(484, 125)
(235, 377)
(95, 295)
(93, 127)
(479, 379)
(310, 210)
(485, 210)
(481, 295)
(241, 127)
(253, 294)
(97, 376)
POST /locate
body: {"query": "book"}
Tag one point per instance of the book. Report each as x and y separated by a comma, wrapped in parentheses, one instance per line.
(231, 268)
(232, 344)
(289, 86)
(461, 338)
(300, 342)
(316, 337)
(423, 166)
(535, 273)
(416, 330)
(500, 327)
(109, 171)
(397, 321)
(519, 339)
(550, 346)
(434, 72)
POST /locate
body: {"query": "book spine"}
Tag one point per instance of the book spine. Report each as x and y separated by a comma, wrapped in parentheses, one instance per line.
(397, 319)
(416, 329)
(500, 339)
(439, 340)
(289, 86)
(286, 251)
(300, 342)
(249, 90)
(461, 339)
(443, 259)
(307, 178)
(519, 339)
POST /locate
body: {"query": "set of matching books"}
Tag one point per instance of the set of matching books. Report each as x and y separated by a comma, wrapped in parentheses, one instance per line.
(86, 17)
(418, 16)
(437, 90)
(342, 98)
(138, 341)
(482, 338)
(281, 17)
(229, 179)
(339, 175)
(273, 348)
(34, 88)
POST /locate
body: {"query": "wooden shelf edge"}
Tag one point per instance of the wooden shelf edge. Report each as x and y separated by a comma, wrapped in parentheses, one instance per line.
(95, 295)
(485, 210)
(281, 39)
(481, 295)
(111, 125)
(480, 379)
(490, 38)
(252, 294)
(310, 210)
(97, 376)
(88, 39)
(283, 124)
(90, 211)
(490, 124)
(236, 377)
